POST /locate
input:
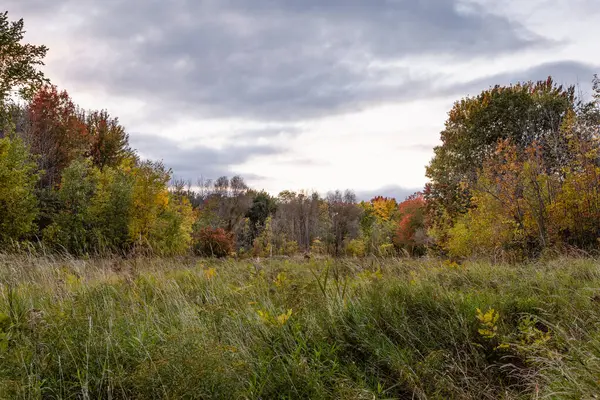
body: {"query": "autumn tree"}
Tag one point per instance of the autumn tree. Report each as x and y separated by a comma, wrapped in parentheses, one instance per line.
(213, 242)
(56, 132)
(410, 232)
(523, 113)
(108, 142)
(378, 223)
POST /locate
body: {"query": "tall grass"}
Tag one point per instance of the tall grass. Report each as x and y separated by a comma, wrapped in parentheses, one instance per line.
(352, 329)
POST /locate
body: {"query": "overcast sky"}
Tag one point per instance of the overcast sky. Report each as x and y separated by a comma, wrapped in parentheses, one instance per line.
(302, 94)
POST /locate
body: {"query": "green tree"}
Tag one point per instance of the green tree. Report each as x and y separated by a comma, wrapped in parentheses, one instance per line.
(111, 209)
(263, 206)
(18, 205)
(19, 62)
(72, 229)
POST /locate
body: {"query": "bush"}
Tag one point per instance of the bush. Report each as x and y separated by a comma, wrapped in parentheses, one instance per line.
(356, 248)
(213, 242)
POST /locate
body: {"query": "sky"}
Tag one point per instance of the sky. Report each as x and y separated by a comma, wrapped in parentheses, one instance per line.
(303, 94)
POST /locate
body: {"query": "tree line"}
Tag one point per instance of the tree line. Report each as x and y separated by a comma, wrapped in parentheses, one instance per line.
(70, 182)
(517, 173)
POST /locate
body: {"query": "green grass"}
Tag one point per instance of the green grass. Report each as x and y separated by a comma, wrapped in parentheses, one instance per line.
(357, 329)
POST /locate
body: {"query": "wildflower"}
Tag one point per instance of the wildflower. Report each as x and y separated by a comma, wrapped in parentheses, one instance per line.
(282, 319)
(210, 273)
(488, 323)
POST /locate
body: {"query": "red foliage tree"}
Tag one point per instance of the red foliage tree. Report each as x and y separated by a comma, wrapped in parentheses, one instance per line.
(410, 233)
(56, 132)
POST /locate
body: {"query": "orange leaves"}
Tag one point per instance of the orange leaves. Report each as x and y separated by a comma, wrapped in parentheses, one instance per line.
(211, 242)
(410, 230)
(56, 131)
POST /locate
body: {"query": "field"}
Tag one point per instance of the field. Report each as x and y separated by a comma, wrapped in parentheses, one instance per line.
(284, 328)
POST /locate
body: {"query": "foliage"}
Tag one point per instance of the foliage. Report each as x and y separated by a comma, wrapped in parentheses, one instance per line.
(172, 230)
(378, 222)
(108, 140)
(18, 205)
(56, 132)
(111, 209)
(410, 231)
(209, 242)
(19, 62)
(263, 244)
(150, 200)
(523, 114)
(72, 226)
(356, 248)
(262, 207)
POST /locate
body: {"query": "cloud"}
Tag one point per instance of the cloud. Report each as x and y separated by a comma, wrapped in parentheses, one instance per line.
(272, 60)
(563, 72)
(191, 163)
(393, 191)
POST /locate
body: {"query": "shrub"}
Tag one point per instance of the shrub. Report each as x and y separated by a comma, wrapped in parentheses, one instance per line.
(213, 242)
(356, 248)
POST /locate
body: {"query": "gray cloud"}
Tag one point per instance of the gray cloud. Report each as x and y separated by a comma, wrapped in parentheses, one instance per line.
(393, 191)
(564, 72)
(193, 162)
(273, 60)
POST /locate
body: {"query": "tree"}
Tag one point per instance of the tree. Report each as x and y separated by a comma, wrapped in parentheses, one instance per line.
(344, 217)
(171, 233)
(150, 199)
(298, 218)
(410, 230)
(19, 62)
(524, 113)
(72, 229)
(56, 132)
(109, 144)
(262, 207)
(18, 205)
(378, 223)
(111, 209)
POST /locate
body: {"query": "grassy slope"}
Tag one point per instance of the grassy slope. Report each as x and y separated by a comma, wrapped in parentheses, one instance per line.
(357, 329)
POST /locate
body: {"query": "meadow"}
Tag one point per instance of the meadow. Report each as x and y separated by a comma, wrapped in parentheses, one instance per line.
(191, 328)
